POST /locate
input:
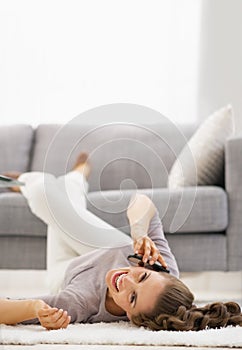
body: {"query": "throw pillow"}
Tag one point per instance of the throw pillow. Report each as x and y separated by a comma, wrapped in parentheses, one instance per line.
(202, 158)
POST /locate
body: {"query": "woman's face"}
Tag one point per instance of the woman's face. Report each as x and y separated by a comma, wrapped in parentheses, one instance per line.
(135, 289)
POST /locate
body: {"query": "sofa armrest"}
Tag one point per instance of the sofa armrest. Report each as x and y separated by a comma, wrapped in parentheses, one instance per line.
(233, 185)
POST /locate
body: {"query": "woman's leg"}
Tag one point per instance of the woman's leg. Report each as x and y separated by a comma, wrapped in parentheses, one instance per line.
(72, 230)
(60, 249)
(57, 206)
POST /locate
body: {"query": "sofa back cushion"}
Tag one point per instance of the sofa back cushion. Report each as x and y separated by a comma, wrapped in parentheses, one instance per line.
(15, 145)
(123, 156)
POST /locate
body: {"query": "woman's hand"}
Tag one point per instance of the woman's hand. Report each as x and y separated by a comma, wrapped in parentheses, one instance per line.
(146, 247)
(51, 317)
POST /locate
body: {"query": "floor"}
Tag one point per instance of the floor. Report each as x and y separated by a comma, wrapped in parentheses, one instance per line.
(207, 287)
(98, 347)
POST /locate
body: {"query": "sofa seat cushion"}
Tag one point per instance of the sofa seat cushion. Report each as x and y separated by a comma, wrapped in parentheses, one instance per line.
(192, 209)
(16, 217)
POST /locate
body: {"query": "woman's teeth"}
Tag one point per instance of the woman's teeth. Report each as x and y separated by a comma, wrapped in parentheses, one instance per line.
(118, 280)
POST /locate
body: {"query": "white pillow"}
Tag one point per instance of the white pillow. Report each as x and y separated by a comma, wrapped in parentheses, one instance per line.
(201, 160)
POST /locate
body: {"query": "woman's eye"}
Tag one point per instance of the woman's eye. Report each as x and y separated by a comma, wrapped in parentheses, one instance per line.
(132, 298)
(143, 277)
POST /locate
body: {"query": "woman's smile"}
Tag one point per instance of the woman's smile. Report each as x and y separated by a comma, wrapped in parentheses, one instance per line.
(117, 279)
(114, 278)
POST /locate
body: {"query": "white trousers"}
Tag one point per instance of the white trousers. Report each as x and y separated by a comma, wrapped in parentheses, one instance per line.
(72, 229)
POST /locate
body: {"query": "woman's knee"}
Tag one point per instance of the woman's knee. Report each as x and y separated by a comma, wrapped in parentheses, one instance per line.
(36, 190)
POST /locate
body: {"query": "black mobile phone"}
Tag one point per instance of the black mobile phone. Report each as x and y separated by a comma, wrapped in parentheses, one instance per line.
(137, 259)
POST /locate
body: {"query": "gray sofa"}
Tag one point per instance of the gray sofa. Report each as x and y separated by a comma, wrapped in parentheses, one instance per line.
(207, 231)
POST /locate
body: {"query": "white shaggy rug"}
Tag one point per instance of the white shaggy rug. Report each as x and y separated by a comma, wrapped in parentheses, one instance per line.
(121, 333)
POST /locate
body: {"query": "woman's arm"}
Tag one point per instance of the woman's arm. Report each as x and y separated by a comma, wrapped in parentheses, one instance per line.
(140, 212)
(16, 311)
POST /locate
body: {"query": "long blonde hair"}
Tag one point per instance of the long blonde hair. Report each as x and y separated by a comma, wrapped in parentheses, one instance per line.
(174, 310)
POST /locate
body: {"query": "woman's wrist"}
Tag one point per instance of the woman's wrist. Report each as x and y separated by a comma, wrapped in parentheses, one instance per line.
(138, 230)
(15, 311)
(36, 305)
(140, 212)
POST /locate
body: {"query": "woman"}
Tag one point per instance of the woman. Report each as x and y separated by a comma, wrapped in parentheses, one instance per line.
(85, 259)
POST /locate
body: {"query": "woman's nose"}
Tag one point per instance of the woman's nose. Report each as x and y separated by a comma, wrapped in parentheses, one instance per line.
(128, 281)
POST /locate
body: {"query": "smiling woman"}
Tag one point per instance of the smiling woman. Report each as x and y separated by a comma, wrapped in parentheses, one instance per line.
(89, 282)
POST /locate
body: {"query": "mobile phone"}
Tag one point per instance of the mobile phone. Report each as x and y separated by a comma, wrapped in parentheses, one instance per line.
(137, 259)
(6, 181)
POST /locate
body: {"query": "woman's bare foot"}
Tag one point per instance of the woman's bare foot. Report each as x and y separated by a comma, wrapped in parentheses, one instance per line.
(82, 165)
(14, 175)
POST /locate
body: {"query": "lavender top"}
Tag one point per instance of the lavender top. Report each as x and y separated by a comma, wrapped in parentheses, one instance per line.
(84, 289)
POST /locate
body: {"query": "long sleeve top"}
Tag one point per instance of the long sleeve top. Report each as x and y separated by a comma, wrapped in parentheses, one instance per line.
(84, 288)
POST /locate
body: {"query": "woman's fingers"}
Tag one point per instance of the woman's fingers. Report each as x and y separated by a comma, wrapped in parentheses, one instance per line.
(138, 246)
(146, 247)
(147, 250)
(158, 257)
(162, 261)
(142, 246)
(61, 318)
(57, 316)
(154, 257)
(47, 311)
(66, 322)
(55, 319)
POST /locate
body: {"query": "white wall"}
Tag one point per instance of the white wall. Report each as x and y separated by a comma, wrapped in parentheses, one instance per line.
(220, 79)
(59, 58)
